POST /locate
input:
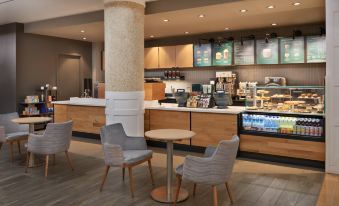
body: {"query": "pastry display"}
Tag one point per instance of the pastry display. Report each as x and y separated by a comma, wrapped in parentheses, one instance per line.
(287, 99)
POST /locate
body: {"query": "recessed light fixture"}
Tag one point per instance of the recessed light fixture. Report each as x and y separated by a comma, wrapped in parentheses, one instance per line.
(152, 36)
(274, 24)
(166, 20)
(84, 38)
(296, 3)
(187, 32)
(271, 7)
(227, 28)
(82, 31)
(243, 10)
(202, 16)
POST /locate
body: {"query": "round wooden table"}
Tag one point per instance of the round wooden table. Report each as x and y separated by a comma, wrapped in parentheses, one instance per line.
(31, 121)
(165, 193)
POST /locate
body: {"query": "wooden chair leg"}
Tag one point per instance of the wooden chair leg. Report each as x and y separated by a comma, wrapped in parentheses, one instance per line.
(229, 192)
(69, 160)
(46, 166)
(131, 181)
(11, 151)
(215, 195)
(104, 177)
(19, 148)
(150, 171)
(27, 161)
(178, 190)
(194, 188)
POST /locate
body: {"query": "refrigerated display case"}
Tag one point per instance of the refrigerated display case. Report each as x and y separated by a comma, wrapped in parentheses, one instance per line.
(287, 99)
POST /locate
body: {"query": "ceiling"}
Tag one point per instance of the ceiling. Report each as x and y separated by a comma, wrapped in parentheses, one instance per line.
(217, 17)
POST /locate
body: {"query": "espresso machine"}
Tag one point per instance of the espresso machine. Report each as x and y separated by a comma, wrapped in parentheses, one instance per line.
(226, 81)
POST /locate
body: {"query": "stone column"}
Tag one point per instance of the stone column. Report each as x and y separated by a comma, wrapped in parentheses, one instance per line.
(124, 64)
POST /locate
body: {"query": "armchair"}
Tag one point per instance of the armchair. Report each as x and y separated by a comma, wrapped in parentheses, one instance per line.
(213, 169)
(55, 139)
(12, 132)
(123, 151)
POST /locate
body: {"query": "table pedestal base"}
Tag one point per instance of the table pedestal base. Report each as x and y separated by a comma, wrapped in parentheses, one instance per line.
(160, 194)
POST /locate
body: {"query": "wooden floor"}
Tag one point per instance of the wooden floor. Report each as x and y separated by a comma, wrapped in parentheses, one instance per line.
(252, 183)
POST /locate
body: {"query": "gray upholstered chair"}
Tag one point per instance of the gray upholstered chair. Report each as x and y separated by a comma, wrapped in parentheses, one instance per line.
(13, 133)
(123, 151)
(55, 139)
(213, 169)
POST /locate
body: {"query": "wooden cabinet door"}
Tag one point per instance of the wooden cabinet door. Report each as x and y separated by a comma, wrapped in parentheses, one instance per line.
(161, 119)
(146, 120)
(167, 57)
(184, 55)
(151, 58)
(211, 128)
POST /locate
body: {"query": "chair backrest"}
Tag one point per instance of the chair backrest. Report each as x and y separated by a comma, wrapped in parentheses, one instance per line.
(224, 158)
(11, 127)
(58, 136)
(113, 134)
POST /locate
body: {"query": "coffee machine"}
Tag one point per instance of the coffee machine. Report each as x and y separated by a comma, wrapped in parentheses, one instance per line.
(226, 81)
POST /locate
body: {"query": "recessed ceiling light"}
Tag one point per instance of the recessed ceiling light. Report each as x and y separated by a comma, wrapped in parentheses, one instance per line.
(82, 31)
(166, 20)
(243, 10)
(227, 28)
(296, 3)
(201, 15)
(84, 38)
(152, 36)
(271, 7)
(274, 24)
(187, 32)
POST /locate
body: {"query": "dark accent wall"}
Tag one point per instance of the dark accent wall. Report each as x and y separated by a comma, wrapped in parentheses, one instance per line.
(38, 61)
(8, 50)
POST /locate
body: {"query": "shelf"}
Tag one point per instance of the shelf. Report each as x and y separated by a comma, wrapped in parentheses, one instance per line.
(284, 136)
(285, 113)
(24, 103)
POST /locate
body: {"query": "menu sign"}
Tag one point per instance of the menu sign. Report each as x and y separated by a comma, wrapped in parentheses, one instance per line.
(202, 55)
(222, 54)
(292, 50)
(267, 52)
(316, 49)
(244, 53)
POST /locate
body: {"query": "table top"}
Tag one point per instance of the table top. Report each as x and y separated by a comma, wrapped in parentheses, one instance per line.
(169, 134)
(31, 120)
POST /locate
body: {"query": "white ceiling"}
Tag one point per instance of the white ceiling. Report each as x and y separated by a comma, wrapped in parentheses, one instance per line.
(25, 11)
(217, 17)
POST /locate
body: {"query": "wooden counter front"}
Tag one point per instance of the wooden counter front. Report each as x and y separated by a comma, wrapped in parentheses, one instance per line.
(211, 128)
(160, 119)
(88, 119)
(283, 147)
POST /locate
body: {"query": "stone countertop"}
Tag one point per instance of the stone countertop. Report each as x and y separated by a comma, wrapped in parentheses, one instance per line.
(229, 110)
(89, 104)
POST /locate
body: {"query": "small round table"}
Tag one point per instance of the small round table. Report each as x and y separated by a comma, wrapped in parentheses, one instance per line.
(164, 194)
(31, 121)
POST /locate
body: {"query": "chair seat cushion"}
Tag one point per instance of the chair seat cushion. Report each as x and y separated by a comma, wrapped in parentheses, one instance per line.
(16, 135)
(179, 170)
(132, 156)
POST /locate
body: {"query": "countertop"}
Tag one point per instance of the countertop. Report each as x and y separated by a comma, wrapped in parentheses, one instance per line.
(89, 104)
(229, 110)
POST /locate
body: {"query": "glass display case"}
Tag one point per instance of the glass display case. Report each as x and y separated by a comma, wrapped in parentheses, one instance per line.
(287, 99)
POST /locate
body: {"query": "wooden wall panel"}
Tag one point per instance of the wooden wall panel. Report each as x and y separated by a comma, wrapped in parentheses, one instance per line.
(146, 120)
(161, 119)
(60, 113)
(283, 147)
(211, 128)
(87, 119)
